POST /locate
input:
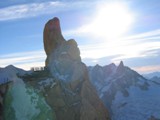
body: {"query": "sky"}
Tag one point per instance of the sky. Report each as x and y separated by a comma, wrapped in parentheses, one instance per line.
(107, 31)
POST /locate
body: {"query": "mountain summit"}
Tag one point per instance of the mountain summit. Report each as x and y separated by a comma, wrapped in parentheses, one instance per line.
(80, 101)
(71, 76)
(52, 36)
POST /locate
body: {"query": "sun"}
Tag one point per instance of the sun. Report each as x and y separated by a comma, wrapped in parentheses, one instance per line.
(112, 20)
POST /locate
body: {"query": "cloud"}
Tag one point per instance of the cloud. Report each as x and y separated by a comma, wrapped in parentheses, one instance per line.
(25, 60)
(139, 45)
(139, 51)
(39, 8)
(29, 10)
(132, 46)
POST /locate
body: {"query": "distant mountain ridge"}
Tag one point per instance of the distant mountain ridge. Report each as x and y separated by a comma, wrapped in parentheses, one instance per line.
(151, 75)
(154, 77)
(121, 88)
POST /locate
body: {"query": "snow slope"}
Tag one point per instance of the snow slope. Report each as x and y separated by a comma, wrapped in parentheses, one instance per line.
(22, 102)
(139, 105)
(8, 73)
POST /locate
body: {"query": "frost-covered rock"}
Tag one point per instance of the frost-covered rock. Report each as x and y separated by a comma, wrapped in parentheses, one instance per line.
(65, 60)
(22, 102)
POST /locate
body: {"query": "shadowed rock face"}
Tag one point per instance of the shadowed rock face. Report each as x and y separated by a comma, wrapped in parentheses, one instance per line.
(52, 36)
(3, 90)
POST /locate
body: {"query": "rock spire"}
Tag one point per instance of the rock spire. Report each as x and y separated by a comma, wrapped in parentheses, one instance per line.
(73, 97)
(52, 36)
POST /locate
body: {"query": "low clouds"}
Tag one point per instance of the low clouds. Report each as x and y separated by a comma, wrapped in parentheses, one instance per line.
(24, 60)
(140, 52)
(141, 45)
(147, 69)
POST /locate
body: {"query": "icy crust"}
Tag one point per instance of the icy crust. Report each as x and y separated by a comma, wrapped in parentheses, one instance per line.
(140, 105)
(24, 103)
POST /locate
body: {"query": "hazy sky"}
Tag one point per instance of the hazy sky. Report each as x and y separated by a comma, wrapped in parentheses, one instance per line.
(106, 31)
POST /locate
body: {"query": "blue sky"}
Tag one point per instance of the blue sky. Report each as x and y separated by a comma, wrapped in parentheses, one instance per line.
(106, 31)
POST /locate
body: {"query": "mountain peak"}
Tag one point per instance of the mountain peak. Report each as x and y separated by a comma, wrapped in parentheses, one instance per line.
(97, 66)
(121, 64)
(54, 24)
(52, 37)
(120, 68)
(71, 75)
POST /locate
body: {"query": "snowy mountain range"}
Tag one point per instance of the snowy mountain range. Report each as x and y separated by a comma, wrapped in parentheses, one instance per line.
(127, 94)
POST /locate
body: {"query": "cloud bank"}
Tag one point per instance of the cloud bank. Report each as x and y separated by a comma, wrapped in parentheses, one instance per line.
(24, 60)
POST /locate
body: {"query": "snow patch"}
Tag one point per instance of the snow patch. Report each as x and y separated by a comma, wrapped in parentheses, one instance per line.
(140, 105)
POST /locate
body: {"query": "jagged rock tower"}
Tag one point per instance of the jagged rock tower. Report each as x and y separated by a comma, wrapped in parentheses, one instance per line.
(52, 36)
(73, 97)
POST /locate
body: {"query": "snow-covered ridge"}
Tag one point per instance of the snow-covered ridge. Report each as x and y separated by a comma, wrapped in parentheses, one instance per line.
(8, 73)
(127, 94)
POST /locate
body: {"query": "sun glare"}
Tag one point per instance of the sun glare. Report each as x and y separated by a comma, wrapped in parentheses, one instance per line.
(111, 21)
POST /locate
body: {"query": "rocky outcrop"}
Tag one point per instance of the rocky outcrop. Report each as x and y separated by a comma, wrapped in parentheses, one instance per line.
(72, 96)
(61, 91)
(3, 90)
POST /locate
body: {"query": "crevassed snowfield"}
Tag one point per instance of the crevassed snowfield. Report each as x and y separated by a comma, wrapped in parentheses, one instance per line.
(139, 105)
